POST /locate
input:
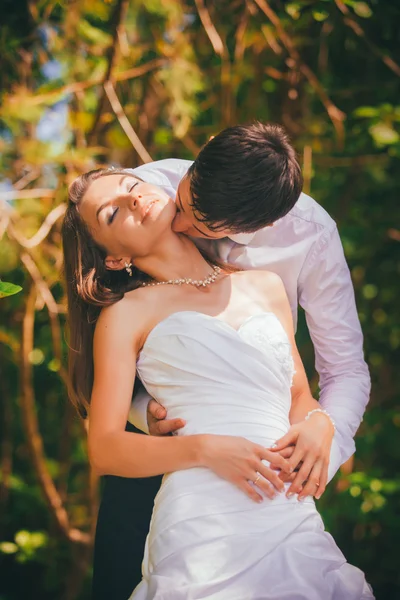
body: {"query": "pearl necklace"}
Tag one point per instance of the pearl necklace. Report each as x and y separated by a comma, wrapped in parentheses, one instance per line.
(196, 282)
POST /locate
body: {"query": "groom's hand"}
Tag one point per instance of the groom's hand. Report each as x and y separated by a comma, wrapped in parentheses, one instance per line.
(157, 421)
(312, 441)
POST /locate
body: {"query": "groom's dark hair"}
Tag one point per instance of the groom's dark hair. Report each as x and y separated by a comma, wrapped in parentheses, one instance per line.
(245, 178)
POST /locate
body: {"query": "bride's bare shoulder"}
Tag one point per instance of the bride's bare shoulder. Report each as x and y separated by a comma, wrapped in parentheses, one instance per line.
(262, 279)
(132, 310)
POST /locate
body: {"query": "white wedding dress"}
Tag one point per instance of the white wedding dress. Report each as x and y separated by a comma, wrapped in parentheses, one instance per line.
(207, 539)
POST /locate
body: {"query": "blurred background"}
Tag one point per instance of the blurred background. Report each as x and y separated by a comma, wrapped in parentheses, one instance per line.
(86, 83)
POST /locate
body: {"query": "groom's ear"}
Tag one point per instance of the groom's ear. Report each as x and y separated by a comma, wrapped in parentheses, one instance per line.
(116, 264)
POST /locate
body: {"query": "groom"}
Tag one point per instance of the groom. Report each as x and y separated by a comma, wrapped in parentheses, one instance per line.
(242, 195)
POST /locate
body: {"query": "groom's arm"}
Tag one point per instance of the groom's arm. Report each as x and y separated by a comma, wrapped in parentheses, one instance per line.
(327, 296)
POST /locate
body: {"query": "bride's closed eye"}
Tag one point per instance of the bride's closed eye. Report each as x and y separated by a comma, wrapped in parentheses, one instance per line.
(110, 219)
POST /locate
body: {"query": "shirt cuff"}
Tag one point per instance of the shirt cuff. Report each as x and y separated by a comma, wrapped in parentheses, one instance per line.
(138, 411)
(335, 460)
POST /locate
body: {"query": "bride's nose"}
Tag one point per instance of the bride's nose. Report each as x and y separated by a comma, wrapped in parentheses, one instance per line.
(134, 200)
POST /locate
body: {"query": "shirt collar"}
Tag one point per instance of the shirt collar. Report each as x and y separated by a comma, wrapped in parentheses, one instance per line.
(242, 238)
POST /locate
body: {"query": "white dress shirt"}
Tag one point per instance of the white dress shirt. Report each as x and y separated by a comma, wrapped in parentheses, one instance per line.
(305, 250)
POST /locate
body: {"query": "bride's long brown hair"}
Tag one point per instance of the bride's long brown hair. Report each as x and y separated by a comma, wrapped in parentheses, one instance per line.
(90, 287)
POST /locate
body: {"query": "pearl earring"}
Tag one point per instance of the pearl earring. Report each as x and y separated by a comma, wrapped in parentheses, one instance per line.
(128, 268)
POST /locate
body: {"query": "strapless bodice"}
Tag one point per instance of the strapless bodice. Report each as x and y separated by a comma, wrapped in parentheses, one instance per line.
(219, 379)
(207, 539)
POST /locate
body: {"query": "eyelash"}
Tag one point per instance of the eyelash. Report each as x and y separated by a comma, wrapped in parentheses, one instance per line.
(111, 217)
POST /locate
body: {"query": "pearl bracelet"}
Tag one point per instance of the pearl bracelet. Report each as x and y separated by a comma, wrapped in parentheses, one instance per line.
(321, 410)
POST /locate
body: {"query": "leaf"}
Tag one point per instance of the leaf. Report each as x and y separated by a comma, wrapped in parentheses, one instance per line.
(320, 15)
(9, 255)
(8, 289)
(366, 111)
(93, 34)
(383, 134)
(8, 548)
(362, 10)
(293, 9)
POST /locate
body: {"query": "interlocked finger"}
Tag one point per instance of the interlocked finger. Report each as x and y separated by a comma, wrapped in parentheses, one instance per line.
(302, 475)
(296, 458)
(311, 487)
(264, 478)
(287, 452)
(276, 460)
(286, 477)
(250, 491)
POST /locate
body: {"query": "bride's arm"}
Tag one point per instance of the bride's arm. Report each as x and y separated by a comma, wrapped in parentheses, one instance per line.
(117, 340)
(112, 450)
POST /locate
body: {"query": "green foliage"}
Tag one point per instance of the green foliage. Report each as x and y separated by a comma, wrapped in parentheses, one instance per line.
(27, 545)
(192, 82)
(8, 289)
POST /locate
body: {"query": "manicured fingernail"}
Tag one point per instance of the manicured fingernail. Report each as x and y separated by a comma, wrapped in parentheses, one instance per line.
(290, 495)
(259, 500)
(301, 498)
(274, 446)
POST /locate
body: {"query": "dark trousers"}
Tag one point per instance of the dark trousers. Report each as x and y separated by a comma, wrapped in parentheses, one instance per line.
(122, 527)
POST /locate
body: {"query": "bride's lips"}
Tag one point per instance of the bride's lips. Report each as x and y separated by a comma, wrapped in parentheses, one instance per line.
(148, 208)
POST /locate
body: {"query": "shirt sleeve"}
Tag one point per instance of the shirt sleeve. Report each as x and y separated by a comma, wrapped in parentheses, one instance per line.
(327, 296)
(166, 173)
(138, 411)
(335, 458)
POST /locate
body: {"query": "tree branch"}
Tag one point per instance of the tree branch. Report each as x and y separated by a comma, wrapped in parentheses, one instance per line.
(117, 16)
(210, 29)
(240, 34)
(33, 437)
(23, 194)
(394, 234)
(77, 86)
(44, 229)
(336, 115)
(358, 30)
(52, 308)
(124, 122)
(26, 179)
(6, 445)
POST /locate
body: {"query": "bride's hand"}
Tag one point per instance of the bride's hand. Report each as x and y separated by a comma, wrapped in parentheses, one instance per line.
(239, 461)
(313, 441)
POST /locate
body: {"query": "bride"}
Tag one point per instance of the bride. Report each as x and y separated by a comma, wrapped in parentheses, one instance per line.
(216, 347)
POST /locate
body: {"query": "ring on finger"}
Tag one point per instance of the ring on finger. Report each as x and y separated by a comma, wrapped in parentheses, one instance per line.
(257, 478)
